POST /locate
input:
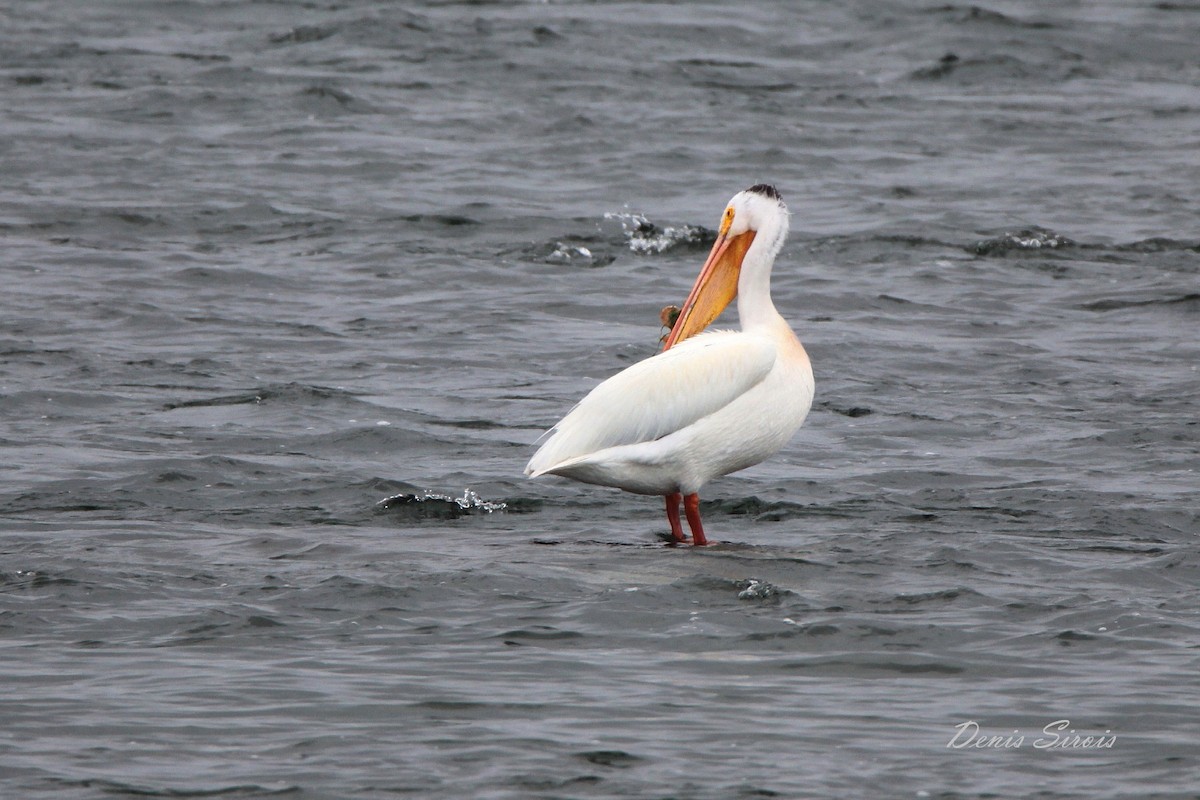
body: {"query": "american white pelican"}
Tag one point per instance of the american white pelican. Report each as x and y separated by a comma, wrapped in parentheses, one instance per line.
(703, 407)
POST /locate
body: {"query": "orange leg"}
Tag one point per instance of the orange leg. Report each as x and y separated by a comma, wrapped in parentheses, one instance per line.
(691, 507)
(673, 501)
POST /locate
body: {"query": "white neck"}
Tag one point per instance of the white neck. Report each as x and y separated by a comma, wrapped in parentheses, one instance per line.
(755, 308)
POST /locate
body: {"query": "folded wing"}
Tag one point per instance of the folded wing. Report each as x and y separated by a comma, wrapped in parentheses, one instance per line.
(659, 396)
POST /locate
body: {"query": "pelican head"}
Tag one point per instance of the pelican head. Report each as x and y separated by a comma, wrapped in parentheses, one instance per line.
(749, 213)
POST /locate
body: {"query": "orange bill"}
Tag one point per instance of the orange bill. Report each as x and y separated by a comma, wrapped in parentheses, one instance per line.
(714, 289)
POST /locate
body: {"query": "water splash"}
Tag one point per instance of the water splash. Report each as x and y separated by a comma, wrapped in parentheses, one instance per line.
(1028, 239)
(569, 252)
(473, 502)
(643, 236)
(441, 506)
(586, 251)
(756, 589)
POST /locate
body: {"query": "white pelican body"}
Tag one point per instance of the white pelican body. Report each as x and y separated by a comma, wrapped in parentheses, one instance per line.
(705, 406)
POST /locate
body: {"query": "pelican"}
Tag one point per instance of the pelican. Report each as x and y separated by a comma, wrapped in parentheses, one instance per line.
(708, 404)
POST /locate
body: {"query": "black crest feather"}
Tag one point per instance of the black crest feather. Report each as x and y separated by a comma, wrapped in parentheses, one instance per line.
(766, 190)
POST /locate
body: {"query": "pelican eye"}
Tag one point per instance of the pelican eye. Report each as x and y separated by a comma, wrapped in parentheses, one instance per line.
(726, 221)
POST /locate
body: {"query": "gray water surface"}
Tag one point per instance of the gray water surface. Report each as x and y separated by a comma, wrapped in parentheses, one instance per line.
(267, 265)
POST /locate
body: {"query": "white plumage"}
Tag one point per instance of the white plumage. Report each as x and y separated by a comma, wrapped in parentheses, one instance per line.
(706, 406)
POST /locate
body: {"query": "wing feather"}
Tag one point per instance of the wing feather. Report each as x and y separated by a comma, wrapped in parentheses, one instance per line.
(656, 397)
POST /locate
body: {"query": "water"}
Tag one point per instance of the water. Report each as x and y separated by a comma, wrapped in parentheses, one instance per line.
(291, 289)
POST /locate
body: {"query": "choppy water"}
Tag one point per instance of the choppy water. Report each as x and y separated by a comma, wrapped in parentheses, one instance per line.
(267, 265)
